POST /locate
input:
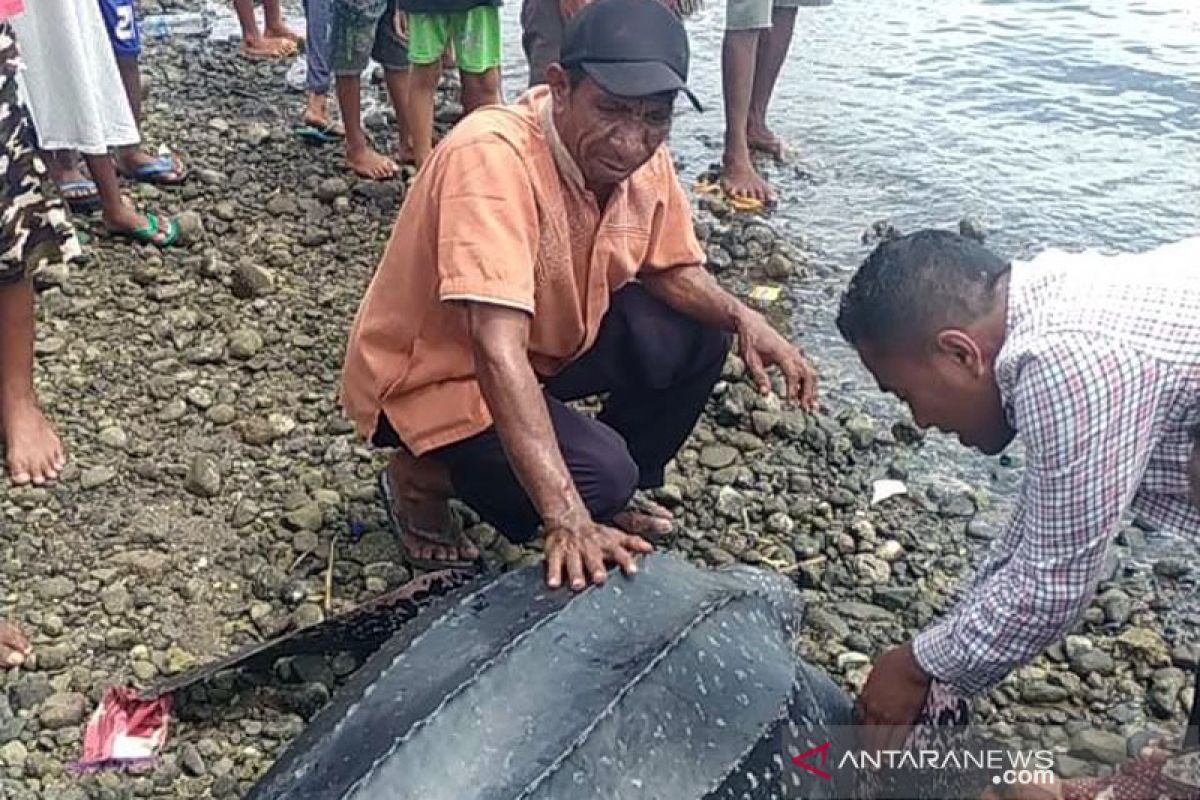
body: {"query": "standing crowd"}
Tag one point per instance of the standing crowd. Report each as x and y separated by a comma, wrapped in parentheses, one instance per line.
(545, 253)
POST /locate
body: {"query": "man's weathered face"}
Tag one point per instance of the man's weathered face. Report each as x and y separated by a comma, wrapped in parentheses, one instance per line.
(610, 137)
(948, 386)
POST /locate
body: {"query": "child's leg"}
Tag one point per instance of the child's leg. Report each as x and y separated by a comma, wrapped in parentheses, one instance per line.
(391, 51)
(32, 450)
(427, 37)
(273, 25)
(118, 216)
(318, 79)
(397, 86)
(478, 50)
(254, 43)
(352, 38)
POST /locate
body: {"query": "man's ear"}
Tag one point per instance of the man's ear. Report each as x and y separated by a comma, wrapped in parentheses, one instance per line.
(962, 350)
(559, 82)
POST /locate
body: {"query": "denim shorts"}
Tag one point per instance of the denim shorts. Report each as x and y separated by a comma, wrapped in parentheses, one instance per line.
(365, 30)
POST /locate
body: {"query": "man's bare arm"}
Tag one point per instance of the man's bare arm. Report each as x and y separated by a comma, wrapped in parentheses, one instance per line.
(574, 542)
(693, 291)
(500, 339)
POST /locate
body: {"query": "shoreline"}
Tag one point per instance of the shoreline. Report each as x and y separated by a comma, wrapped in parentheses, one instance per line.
(211, 467)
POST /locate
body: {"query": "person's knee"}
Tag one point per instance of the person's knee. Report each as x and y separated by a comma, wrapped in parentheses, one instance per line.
(426, 76)
(712, 347)
(616, 481)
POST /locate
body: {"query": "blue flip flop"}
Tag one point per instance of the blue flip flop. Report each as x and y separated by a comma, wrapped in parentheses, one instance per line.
(158, 172)
(86, 196)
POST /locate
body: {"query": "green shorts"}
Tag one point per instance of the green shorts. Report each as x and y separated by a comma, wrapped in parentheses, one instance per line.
(475, 33)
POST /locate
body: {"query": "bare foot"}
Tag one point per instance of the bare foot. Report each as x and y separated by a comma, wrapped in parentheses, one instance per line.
(14, 647)
(282, 31)
(316, 115)
(368, 163)
(404, 153)
(268, 47)
(764, 140)
(32, 450)
(645, 518)
(740, 180)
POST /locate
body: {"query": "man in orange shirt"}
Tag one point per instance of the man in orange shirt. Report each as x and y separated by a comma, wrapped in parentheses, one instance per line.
(546, 254)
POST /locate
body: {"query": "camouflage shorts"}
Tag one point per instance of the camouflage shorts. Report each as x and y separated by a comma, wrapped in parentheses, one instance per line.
(34, 228)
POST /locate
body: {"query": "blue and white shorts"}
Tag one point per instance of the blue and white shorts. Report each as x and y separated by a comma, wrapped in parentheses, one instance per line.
(123, 29)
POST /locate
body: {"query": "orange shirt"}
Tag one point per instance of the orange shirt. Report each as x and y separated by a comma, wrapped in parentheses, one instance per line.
(500, 215)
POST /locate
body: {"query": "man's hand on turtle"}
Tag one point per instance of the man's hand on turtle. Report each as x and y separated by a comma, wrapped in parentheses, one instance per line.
(14, 647)
(761, 346)
(581, 550)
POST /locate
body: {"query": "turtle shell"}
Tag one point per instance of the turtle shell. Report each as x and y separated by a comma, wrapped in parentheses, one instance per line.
(676, 683)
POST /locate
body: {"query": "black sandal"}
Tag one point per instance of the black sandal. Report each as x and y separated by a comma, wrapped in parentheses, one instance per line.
(453, 536)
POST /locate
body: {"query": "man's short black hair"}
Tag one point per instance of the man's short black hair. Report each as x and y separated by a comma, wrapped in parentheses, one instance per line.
(915, 285)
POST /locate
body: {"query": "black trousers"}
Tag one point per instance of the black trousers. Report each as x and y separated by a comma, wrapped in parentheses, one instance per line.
(657, 368)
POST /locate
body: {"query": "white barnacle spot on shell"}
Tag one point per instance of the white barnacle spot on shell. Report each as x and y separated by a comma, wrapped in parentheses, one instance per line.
(720, 722)
(743, 700)
(753, 781)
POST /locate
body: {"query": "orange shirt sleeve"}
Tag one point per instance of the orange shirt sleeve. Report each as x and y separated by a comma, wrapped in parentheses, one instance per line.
(673, 240)
(487, 225)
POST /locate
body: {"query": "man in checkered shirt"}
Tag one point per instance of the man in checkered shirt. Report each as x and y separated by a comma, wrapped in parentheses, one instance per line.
(1095, 361)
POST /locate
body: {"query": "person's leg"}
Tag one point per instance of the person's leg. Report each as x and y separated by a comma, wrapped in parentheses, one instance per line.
(427, 38)
(596, 456)
(746, 22)
(318, 79)
(32, 450)
(478, 48)
(772, 52)
(392, 52)
(119, 217)
(541, 36)
(658, 367)
(273, 25)
(352, 37)
(254, 43)
(14, 647)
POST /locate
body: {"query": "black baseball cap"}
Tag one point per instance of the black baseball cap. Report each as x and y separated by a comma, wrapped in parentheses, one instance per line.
(632, 48)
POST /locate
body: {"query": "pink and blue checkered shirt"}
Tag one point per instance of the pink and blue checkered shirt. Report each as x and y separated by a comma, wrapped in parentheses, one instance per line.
(1100, 375)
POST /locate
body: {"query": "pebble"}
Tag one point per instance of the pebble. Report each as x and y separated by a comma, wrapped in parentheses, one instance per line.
(114, 437)
(249, 280)
(192, 761)
(14, 754)
(55, 588)
(1099, 745)
(864, 612)
(95, 477)
(718, 456)
(62, 710)
(203, 476)
(178, 660)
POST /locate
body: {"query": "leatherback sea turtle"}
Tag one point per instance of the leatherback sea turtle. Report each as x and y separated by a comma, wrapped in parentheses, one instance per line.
(678, 683)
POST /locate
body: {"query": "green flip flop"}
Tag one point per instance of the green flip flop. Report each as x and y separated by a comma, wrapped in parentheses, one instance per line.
(147, 233)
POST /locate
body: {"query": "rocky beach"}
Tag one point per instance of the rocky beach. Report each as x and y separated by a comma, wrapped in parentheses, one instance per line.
(214, 483)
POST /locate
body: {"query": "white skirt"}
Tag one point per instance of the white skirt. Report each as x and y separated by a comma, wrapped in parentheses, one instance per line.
(70, 81)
